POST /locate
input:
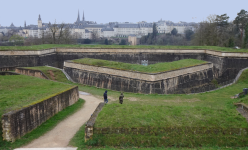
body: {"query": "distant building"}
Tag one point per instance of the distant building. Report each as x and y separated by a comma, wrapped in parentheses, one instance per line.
(82, 29)
(132, 39)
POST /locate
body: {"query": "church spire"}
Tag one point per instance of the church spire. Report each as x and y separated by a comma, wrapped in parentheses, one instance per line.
(78, 18)
(39, 17)
(25, 24)
(83, 16)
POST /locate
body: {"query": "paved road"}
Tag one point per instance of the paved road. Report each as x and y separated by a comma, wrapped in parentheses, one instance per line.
(60, 136)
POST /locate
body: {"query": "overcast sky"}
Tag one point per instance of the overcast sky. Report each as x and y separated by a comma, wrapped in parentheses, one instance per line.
(104, 11)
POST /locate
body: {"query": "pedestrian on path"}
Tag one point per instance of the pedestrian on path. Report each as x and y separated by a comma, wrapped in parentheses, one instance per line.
(105, 96)
(121, 98)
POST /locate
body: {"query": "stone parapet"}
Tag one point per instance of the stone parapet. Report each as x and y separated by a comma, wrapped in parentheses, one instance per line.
(90, 123)
(26, 52)
(16, 124)
(139, 75)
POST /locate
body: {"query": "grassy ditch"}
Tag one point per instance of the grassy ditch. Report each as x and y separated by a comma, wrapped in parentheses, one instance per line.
(46, 126)
(213, 111)
(48, 46)
(51, 73)
(153, 68)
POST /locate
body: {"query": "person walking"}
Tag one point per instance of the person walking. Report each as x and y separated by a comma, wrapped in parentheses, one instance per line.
(121, 98)
(105, 96)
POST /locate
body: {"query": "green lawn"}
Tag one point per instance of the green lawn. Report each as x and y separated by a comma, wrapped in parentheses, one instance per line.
(213, 109)
(210, 110)
(48, 46)
(51, 73)
(18, 91)
(154, 68)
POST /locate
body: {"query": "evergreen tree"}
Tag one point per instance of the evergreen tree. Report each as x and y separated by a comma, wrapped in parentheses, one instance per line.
(155, 31)
(241, 21)
(106, 42)
(246, 36)
(123, 42)
(174, 31)
(188, 34)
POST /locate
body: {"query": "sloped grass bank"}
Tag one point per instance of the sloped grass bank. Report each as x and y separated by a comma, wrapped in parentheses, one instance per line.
(51, 73)
(153, 68)
(211, 117)
(48, 46)
(18, 91)
(78, 141)
(46, 126)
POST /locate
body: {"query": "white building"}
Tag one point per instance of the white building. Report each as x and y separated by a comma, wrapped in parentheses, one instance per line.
(82, 29)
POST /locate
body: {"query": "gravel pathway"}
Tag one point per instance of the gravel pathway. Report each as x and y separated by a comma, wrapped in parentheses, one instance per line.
(60, 136)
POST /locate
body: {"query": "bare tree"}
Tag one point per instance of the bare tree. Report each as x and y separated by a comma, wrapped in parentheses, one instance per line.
(53, 28)
(94, 35)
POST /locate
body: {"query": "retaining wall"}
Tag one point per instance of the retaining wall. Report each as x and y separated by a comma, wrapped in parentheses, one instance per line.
(17, 123)
(184, 83)
(226, 64)
(90, 123)
(30, 72)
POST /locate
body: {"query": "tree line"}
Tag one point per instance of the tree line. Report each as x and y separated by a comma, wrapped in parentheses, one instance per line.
(216, 30)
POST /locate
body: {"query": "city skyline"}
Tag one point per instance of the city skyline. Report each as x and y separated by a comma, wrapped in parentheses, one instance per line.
(112, 11)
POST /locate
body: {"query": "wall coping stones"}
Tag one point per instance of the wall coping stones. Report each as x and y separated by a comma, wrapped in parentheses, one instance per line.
(120, 50)
(90, 123)
(139, 75)
(28, 52)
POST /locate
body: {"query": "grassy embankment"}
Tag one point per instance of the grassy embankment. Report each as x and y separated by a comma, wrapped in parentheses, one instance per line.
(18, 91)
(153, 68)
(51, 73)
(214, 109)
(48, 46)
(209, 110)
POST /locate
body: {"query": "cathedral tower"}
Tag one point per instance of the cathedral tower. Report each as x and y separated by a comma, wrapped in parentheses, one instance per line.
(83, 16)
(39, 22)
(78, 18)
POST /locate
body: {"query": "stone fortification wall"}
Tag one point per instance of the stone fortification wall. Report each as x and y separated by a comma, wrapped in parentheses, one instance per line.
(186, 83)
(30, 72)
(8, 73)
(28, 60)
(7, 69)
(90, 123)
(128, 57)
(226, 64)
(17, 123)
(27, 52)
(139, 75)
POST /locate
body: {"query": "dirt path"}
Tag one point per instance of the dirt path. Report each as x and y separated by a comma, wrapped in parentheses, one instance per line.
(65, 130)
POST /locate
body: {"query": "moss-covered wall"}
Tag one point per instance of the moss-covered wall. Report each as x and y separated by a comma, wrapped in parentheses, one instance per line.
(19, 122)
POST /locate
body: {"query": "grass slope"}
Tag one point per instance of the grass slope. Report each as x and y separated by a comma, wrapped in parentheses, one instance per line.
(46, 126)
(78, 141)
(48, 46)
(20, 90)
(154, 68)
(178, 110)
(213, 109)
(51, 73)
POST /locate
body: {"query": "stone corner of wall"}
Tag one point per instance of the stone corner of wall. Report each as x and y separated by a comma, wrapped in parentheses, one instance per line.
(90, 123)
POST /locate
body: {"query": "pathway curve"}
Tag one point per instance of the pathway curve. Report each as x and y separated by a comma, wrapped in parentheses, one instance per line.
(60, 135)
